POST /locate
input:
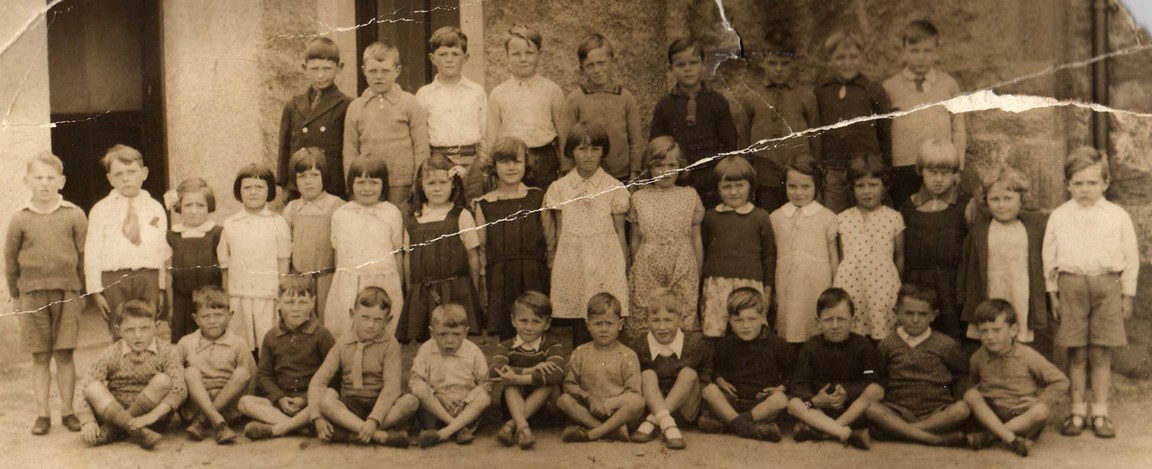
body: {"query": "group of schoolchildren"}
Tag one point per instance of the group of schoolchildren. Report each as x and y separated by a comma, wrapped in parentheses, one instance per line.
(719, 293)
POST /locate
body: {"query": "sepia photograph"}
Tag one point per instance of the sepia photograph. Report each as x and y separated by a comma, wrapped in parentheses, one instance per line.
(590, 233)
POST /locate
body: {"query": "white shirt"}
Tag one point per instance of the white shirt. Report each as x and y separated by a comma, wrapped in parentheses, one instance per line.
(532, 346)
(526, 109)
(676, 348)
(743, 209)
(913, 341)
(457, 114)
(367, 238)
(789, 209)
(194, 231)
(107, 249)
(1093, 240)
(465, 224)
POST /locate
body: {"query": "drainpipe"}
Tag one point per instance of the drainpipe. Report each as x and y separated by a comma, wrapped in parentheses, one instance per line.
(1100, 10)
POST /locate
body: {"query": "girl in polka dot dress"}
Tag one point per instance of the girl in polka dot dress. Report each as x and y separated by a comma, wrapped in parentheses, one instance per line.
(872, 246)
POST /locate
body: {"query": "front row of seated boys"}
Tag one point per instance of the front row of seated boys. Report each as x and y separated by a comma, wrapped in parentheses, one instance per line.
(916, 386)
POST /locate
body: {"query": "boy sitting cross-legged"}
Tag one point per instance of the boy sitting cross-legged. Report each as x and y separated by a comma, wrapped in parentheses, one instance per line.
(926, 374)
(218, 367)
(835, 378)
(531, 363)
(1014, 386)
(134, 384)
(751, 366)
(602, 385)
(289, 357)
(674, 366)
(367, 360)
(450, 378)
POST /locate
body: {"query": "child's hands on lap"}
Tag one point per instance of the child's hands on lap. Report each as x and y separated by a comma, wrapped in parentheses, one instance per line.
(829, 397)
(545, 367)
(323, 428)
(367, 430)
(598, 408)
(767, 392)
(726, 387)
(291, 405)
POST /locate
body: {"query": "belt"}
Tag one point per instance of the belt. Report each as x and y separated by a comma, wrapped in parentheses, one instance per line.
(461, 150)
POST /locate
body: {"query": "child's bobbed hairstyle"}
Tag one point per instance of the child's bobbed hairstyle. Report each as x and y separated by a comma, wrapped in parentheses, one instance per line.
(735, 168)
(832, 298)
(47, 159)
(322, 48)
(745, 298)
(805, 164)
(209, 297)
(437, 162)
(369, 168)
(938, 154)
(590, 43)
(1009, 177)
(255, 171)
(381, 52)
(870, 165)
(448, 36)
(122, 153)
(450, 315)
(509, 149)
(603, 303)
(529, 35)
(535, 302)
(137, 308)
(297, 285)
(307, 159)
(920, 30)
(1081, 158)
(779, 42)
(991, 309)
(841, 38)
(660, 149)
(585, 132)
(917, 291)
(374, 297)
(663, 299)
(193, 185)
(682, 44)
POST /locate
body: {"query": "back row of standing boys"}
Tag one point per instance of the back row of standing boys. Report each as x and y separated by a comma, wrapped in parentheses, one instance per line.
(411, 164)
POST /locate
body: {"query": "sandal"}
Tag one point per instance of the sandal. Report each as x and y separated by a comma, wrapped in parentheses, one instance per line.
(644, 434)
(1102, 427)
(1071, 427)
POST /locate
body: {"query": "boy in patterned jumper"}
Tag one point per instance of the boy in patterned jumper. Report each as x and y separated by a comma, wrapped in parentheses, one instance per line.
(134, 385)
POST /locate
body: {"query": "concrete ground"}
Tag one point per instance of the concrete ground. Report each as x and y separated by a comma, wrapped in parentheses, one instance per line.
(1132, 413)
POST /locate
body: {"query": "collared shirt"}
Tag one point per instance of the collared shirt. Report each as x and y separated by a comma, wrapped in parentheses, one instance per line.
(518, 343)
(912, 130)
(107, 249)
(676, 348)
(1093, 240)
(526, 109)
(126, 373)
(615, 109)
(126, 349)
(521, 356)
(194, 231)
(840, 101)
(59, 202)
(366, 238)
(775, 111)
(789, 209)
(457, 114)
(923, 196)
(1007, 379)
(391, 126)
(217, 359)
(251, 247)
(290, 357)
(453, 376)
(379, 378)
(743, 209)
(466, 223)
(713, 133)
(913, 341)
(43, 250)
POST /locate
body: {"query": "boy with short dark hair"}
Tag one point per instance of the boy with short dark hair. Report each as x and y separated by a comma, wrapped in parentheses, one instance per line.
(751, 366)
(532, 362)
(127, 247)
(388, 123)
(920, 83)
(528, 106)
(1015, 387)
(43, 250)
(219, 367)
(367, 360)
(289, 357)
(457, 109)
(450, 379)
(1091, 263)
(775, 110)
(697, 117)
(925, 373)
(133, 385)
(315, 118)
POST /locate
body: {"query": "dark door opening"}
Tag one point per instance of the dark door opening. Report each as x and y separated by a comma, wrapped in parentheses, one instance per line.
(406, 24)
(106, 87)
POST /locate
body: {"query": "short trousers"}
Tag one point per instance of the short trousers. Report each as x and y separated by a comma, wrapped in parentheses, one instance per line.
(741, 404)
(360, 406)
(910, 416)
(1003, 412)
(690, 409)
(1090, 311)
(188, 410)
(50, 320)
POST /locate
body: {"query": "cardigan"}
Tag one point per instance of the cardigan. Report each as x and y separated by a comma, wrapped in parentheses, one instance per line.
(972, 276)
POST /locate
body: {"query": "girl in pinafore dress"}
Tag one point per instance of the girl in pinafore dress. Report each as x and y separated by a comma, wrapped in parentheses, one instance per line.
(872, 244)
(310, 218)
(367, 234)
(514, 249)
(806, 249)
(443, 261)
(194, 262)
(254, 252)
(589, 207)
(667, 249)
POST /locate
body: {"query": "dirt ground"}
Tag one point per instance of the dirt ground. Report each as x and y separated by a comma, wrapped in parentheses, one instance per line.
(1132, 413)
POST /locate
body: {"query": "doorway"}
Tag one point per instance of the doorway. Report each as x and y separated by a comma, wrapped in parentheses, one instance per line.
(410, 37)
(106, 87)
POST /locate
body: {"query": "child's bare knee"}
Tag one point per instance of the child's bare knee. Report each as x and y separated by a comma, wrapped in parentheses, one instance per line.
(972, 396)
(192, 373)
(160, 383)
(62, 357)
(42, 358)
(95, 390)
(241, 374)
(959, 410)
(1077, 356)
(796, 407)
(873, 393)
(633, 402)
(407, 403)
(711, 391)
(687, 374)
(247, 404)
